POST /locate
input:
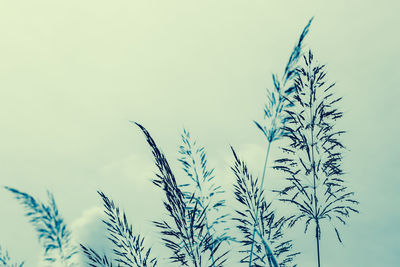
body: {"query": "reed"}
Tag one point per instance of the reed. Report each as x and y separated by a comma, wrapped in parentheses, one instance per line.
(274, 121)
(186, 233)
(313, 156)
(207, 195)
(268, 246)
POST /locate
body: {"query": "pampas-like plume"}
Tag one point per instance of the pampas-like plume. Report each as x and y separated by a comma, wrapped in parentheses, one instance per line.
(5, 260)
(269, 247)
(274, 117)
(204, 191)
(314, 153)
(129, 249)
(186, 235)
(53, 233)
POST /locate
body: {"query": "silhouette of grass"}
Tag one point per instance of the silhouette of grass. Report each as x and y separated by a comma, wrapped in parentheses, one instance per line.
(274, 122)
(129, 249)
(207, 195)
(314, 153)
(301, 109)
(53, 234)
(186, 235)
(269, 246)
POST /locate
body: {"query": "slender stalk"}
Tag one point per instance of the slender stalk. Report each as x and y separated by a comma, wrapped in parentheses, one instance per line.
(271, 259)
(312, 160)
(194, 243)
(264, 170)
(270, 254)
(205, 212)
(316, 215)
(202, 192)
(317, 230)
(275, 110)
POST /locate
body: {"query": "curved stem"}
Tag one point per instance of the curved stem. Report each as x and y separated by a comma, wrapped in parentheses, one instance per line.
(270, 255)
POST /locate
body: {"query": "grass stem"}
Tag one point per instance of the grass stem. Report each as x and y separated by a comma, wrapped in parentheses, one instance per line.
(270, 254)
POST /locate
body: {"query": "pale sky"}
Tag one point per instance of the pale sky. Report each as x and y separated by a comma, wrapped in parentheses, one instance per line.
(74, 73)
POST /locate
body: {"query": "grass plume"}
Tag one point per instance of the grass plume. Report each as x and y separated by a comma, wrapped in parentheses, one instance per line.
(204, 191)
(268, 245)
(274, 117)
(129, 249)
(53, 233)
(313, 157)
(186, 234)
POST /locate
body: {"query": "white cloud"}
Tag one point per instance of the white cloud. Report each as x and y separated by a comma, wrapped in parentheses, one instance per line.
(90, 231)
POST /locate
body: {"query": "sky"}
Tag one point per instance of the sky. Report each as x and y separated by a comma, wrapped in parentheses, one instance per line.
(73, 74)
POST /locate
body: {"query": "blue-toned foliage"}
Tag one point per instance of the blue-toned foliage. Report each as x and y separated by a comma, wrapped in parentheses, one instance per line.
(186, 232)
(313, 156)
(202, 191)
(274, 117)
(128, 248)
(5, 260)
(267, 247)
(54, 236)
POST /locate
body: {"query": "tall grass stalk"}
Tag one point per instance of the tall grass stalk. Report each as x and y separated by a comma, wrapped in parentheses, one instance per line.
(274, 115)
(204, 191)
(314, 153)
(53, 233)
(270, 246)
(186, 234)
